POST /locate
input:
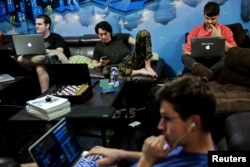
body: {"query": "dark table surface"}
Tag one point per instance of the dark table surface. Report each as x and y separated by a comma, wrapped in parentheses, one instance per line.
(96, 100)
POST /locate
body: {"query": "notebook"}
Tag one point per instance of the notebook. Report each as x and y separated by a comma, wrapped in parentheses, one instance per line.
(69, 74)
(208, 47)
(6, 78)
(31, 44)
(59, 147)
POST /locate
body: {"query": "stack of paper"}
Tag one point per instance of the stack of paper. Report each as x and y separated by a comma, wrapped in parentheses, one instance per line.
(50, 109)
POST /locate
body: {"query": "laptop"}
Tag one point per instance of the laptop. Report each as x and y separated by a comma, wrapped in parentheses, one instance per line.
(31, 44)
(58, 147)
(69, 74)
(208, 47)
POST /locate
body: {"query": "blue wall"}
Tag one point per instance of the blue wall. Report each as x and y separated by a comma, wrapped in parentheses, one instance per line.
(166, 20)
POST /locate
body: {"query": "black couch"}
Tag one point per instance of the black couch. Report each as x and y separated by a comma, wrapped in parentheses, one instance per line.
(84, 45)
(136, 89)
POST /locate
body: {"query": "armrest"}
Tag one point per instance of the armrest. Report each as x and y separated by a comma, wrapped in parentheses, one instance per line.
(237, 131)
(7, 49)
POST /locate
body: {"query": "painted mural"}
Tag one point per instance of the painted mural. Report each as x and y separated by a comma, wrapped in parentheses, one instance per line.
(166, 20)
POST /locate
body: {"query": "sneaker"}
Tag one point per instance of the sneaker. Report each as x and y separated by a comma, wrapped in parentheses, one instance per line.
(202, 71)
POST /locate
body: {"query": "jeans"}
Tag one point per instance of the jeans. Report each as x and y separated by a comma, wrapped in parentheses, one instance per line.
(215, 64)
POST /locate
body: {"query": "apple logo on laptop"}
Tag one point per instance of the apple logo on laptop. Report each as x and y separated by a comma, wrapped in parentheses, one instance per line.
(29, 44)
(207, 47)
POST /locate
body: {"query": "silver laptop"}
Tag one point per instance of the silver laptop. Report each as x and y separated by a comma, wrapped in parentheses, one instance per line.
(31, 44)
(59, 147)
(208, 47)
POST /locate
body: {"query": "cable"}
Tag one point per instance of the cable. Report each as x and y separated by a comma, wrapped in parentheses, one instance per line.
(8, 105)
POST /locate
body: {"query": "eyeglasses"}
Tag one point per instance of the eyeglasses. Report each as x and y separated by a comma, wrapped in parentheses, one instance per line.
(168, 119)
(103, 34)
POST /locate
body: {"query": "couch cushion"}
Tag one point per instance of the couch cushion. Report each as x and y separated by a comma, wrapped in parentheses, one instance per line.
(238, 32)
(79, 59)
(230, 98)
(237, 67)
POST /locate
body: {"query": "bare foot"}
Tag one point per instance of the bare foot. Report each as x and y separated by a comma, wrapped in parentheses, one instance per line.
(143, 71)
(151, 72)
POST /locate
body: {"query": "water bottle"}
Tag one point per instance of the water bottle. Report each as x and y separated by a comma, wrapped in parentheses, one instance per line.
(114, 76)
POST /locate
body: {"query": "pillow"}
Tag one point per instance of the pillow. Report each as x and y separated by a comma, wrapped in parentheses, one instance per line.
(230, 76)
(237, 66)
(238, 32)
(79, 59)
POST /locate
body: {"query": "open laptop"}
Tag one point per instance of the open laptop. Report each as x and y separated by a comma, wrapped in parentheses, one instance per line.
(69, 74)
(31, 44)
(208, 47)
(59, 147)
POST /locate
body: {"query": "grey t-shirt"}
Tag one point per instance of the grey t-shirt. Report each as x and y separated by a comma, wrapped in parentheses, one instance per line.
(115, 50)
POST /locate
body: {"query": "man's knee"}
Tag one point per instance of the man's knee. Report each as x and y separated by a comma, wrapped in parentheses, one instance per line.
(20, 59)
(38, 59)
(143, 33)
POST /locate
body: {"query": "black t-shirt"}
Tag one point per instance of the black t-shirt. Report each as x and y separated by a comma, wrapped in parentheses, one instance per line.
(54, 41)
(115, 50)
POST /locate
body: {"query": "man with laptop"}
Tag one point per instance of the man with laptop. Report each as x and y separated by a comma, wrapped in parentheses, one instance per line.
(208, 64)
(55, 47)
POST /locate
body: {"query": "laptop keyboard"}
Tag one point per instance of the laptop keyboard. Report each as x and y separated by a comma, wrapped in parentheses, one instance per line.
(88, 161)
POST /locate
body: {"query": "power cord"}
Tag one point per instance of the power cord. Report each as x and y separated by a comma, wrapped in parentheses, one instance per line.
(11, 105)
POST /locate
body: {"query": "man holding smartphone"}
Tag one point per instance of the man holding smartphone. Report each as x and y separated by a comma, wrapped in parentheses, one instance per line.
(115, 51)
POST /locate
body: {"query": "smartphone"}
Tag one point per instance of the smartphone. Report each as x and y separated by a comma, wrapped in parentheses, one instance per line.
(104, 58)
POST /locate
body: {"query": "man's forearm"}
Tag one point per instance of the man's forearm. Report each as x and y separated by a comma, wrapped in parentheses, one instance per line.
(130, 155)
(143, 162)
(96, 64)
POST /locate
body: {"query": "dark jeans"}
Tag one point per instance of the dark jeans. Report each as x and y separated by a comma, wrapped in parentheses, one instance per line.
(215, 63)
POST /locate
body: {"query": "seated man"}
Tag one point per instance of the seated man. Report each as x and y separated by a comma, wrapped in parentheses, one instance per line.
(55, 46)
(117, 53)
(186, 137)
(210, 28)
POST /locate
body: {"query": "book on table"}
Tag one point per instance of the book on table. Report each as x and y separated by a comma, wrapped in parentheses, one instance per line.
(45, 106)
(47, 116)
(48, 107)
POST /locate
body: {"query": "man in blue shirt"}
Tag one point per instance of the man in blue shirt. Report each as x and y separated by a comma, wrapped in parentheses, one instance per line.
(187, 109)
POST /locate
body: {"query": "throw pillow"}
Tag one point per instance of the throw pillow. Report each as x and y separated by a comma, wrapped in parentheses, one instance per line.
(79, 59)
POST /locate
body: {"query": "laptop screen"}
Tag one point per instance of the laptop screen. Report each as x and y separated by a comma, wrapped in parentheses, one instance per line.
(31, 44)
(69, 74)
(58, 147)
(208, 47)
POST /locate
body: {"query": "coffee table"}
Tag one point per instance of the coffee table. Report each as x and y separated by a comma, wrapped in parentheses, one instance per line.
(96, 100)
(107, 100)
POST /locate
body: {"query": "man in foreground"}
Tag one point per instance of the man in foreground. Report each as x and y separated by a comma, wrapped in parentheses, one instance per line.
(115, 51)
(186, 137)
(55, 45)
(210, 28)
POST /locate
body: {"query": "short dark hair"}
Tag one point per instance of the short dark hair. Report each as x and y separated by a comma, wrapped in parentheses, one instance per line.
(103, 25)
(46, 19)
(211, 9)
(190, 95)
